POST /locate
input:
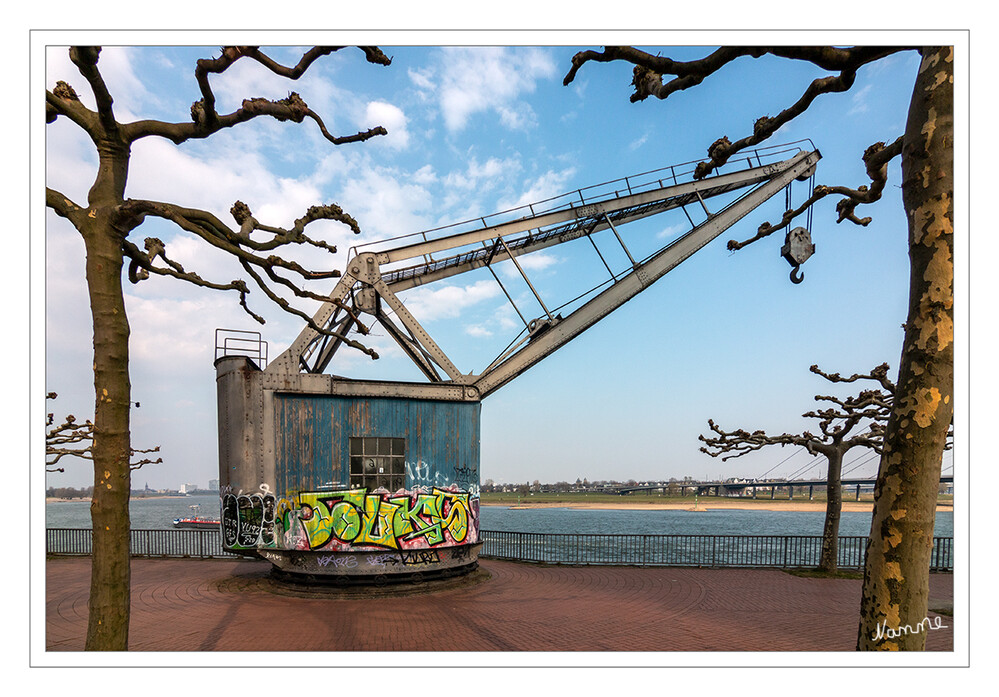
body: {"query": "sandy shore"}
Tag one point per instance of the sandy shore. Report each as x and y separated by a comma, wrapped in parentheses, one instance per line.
(708, 506)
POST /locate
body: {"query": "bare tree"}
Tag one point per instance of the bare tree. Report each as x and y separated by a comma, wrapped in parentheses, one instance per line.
(864, 416)
(108, 219)
(896, 574)
(76, 440)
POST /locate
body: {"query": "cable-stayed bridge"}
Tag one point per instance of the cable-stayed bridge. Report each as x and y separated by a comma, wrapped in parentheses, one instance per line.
(755, 486)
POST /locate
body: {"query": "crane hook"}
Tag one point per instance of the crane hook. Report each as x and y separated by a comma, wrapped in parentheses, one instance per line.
(795, 276)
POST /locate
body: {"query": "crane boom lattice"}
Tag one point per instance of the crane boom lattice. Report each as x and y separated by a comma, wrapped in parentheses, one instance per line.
(376, 273)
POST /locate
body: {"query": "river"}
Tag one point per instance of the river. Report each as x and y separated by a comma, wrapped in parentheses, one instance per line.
(159, 513)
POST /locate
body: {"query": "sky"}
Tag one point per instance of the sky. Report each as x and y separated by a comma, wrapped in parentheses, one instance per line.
(472, 130)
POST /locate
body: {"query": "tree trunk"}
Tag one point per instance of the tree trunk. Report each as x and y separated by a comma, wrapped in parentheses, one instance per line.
(829, 558)
(896, 573)
(107, 628)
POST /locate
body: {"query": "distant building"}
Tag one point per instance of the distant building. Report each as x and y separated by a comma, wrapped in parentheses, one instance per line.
(188, 488)
(213, 484)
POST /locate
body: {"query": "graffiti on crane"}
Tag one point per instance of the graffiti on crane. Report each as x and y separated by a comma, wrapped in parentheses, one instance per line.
(351, 519)
(248, 519)
(342, 520)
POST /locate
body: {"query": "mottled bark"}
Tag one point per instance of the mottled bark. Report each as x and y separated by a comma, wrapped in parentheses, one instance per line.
(896, 574)
(829, 556)
(107, 628)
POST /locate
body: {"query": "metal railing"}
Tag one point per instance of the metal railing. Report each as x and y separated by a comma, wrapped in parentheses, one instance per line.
(775, 551)
(781, 551)
(200, 544)
(239, 342)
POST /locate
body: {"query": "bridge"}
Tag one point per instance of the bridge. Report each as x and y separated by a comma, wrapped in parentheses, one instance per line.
(738, 488)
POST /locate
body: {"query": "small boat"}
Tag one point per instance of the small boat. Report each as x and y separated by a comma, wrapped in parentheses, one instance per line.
(196, 521)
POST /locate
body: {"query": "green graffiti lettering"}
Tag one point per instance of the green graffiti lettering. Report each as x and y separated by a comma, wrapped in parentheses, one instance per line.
(357, 518)
(346, 521)
(457, 519)
(378, 516)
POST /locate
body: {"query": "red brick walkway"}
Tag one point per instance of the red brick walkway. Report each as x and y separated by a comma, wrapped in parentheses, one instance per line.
(189, 605)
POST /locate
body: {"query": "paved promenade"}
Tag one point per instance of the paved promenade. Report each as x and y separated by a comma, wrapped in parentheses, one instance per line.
(223, 605)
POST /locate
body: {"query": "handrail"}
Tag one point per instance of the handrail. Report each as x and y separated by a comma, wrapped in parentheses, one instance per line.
(578, 549)
(609, 192)
(240, 342)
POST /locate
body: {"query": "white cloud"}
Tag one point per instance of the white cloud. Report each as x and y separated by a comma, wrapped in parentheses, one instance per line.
(425, 175)
(483, 79)
(538, 261)
(423, 79)
(671, 231)
(478, 331)
(428, 303)
(386, 202)
(639, 142)
(859, 100)
(482, 176)
(543, 187)
(394, 121)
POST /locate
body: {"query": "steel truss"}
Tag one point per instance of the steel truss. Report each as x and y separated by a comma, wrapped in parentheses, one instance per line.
(376, 274)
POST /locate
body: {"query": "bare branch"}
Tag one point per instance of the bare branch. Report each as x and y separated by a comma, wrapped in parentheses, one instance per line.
(64, 206)
(241, 245)
(85, 59)
(870, 408)
(879, 374)
(137, 464)
(876, 159)
(740, 442)
(205, 120)
(63, 101)
(70, 433)
(648, 81)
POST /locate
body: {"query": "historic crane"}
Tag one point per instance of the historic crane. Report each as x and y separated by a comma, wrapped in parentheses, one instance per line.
(340, 478)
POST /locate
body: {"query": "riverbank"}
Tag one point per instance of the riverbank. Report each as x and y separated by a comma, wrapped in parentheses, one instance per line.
(735, 505)
(86, 499)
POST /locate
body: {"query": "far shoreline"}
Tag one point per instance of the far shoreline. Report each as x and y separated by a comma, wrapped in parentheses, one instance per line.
(86, 499)
(847, 506)
(704, 506)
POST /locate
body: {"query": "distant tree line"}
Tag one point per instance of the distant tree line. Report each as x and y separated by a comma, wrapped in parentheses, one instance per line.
(68, 492)
(670, 488)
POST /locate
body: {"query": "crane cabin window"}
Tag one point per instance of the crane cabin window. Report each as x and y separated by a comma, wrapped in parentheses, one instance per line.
(377, 462)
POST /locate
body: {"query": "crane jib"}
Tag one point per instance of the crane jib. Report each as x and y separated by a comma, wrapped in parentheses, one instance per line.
(365, 286)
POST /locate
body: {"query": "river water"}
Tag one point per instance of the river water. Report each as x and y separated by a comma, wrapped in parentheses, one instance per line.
(159, 513)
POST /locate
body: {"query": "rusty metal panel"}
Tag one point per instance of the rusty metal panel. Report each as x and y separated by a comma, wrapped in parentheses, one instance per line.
(239, 422)
(312, 435)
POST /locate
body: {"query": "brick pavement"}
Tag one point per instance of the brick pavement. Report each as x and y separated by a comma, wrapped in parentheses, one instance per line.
(224, 605)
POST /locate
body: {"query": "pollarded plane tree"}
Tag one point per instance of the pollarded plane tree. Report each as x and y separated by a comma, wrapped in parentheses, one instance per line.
(845, 423)
(896, 573)
(72, 439)
(107, 221)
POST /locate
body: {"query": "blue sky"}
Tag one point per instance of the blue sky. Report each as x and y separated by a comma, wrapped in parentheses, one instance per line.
(474, 130)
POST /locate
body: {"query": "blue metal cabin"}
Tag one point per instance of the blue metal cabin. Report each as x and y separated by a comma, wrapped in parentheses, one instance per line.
(330, 486)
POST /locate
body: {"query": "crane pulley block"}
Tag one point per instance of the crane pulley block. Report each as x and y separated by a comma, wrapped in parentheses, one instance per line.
(798, 247)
